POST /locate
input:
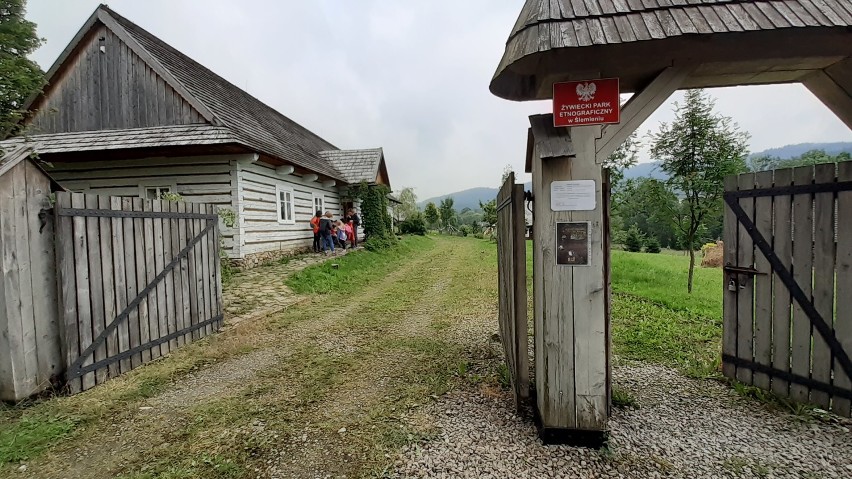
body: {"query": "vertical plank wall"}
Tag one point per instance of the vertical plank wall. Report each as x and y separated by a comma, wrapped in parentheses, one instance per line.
(126, 297)
(30, 355)
(774, 341)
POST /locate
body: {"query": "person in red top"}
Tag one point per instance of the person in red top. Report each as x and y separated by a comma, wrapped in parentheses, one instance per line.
(315, 226)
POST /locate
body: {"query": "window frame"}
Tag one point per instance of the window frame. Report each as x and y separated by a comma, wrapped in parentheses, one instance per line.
(278, 204)
(314, 198)
(144, 187)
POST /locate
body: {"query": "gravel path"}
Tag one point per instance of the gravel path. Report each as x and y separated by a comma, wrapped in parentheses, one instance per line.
(683, 429)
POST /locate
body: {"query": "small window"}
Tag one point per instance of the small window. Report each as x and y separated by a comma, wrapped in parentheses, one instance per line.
(156, 192)
(285, 205)
(319, 203)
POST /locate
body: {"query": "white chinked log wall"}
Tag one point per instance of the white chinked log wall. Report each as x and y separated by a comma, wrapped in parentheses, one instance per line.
(237, 182)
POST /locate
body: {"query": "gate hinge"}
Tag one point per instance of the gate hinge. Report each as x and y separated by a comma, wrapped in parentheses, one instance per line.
(741, 270)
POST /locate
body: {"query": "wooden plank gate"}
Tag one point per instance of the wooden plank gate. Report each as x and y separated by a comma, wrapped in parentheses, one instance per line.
(512, 284)
(137, 279)
(788, 283)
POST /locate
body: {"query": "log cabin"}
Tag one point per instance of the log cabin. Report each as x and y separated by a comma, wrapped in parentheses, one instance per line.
(125, 114)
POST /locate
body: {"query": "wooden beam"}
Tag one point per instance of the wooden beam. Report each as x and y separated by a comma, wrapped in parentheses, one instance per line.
(639, 108)
(833, 87)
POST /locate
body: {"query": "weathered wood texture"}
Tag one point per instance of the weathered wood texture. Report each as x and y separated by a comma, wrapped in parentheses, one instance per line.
(138, 279)
(30, 355)
(106, 86)
(788, 328)
(512, 285)
(572, 368)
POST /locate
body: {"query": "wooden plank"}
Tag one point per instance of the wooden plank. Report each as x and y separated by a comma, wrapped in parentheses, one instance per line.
(133, 320)
(25, 295)
(67, 288)
(96, 284)
(783, 247)
(169, 280)
(207, 282)
(138, 238)
(541, 367)
(120, 282)
(192, 274)
(589, 290)
(729, 298)
(745, 286)
(823, 294)
(843, 321)
(179, 289)
(150, 273)
(519, 268)
(803, 222)
(836, 97)
(188, 296)
(83, 295)
(159, 265)
(43, 268)
(763, 283)
(219, 255)
(109, 280)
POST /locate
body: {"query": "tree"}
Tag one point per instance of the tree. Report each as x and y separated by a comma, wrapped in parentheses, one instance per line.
(634, 240)
(698, 150)
(622, 158)
(447, 212)
(409, 203)
(507, 170)
(649, 205)
(652, 245)
(489, 212)
(431, 214)
(20, 77)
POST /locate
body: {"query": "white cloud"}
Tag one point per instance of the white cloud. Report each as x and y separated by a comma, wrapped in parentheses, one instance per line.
(411, 77)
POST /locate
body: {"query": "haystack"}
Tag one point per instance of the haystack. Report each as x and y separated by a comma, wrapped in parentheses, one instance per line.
(713, 256)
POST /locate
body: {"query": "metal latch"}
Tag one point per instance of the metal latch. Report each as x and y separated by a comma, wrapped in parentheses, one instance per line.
(742, 270)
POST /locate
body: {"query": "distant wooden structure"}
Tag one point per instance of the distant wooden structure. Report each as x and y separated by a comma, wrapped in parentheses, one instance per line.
(30, 345)
(654, 47)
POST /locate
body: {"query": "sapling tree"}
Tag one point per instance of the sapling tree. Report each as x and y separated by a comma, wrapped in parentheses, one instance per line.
(20, 77)
(698, 150)
(431, 215)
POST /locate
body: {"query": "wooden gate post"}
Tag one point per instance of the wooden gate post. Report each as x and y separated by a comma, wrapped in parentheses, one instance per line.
(571, 327)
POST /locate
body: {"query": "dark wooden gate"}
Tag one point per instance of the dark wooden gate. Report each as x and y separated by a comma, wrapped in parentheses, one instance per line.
(788, 283)
(137, 279)
(512, 273)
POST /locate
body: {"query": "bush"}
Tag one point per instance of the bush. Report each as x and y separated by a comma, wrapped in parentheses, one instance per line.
(634, 240)
(652, 245)
(465, 230)
(379, 243)
(415, 225)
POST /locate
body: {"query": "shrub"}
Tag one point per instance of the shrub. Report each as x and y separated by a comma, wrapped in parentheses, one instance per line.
(415, 225)
(465, 230)
(652, 245)
(633, 241)
(379, 243)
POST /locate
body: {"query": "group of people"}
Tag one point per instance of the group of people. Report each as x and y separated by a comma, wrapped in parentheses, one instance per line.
(330, 233)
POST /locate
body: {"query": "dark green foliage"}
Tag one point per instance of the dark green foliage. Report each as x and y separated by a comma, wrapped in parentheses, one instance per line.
(634, 240)
(413, 225)
(431, 215)
(652, 245)
(20, 77)
(489, 212)
(447, 213)
(377, 223)
(812, 157)
(465, 230)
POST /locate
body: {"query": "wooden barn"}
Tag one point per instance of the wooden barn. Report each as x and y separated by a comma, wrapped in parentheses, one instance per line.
(125, 114)
(30, 351)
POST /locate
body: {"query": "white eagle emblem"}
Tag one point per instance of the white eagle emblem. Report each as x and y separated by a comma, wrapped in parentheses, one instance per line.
(586, 91)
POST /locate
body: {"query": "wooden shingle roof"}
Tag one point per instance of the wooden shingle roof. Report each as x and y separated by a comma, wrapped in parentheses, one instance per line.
(356, 166)
(253, 122)
(619, 36)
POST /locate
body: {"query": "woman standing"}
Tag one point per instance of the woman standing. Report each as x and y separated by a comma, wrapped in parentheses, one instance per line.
(326, 231)
(315, 226)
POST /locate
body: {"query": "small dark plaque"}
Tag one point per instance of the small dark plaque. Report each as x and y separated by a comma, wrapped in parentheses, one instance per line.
(573, 243)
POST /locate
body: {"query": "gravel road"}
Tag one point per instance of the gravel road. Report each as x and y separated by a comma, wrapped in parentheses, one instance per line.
(683, 428)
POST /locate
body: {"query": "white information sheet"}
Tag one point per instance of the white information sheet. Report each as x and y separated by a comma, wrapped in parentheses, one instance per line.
(576, 195)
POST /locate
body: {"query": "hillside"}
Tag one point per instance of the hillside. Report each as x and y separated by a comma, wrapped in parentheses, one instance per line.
(791, 151)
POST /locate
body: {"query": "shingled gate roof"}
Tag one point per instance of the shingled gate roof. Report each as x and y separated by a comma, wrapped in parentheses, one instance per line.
(249, 121)
(356, 165)
(627, 38)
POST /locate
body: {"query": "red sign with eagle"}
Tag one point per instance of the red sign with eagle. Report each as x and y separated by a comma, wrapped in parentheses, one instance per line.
(587, 102)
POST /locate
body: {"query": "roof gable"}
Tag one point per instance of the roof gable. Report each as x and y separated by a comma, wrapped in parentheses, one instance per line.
(358, 166)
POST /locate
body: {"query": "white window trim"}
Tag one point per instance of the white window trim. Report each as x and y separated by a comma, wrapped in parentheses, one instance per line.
(282, 189)
(314, 203)
(144, 186)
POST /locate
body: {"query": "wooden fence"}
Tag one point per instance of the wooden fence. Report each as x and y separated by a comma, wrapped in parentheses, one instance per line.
(788, 283)
(138, 278)
(511, 266)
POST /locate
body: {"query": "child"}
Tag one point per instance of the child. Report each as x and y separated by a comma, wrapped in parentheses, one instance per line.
(341, 234)
(350, 233)
(315, 227)
(326, 231)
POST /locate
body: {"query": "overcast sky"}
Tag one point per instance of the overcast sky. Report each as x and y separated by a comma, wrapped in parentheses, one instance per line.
(411, 77)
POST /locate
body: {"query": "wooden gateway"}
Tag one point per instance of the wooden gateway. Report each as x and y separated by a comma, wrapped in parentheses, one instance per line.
(654, 48)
